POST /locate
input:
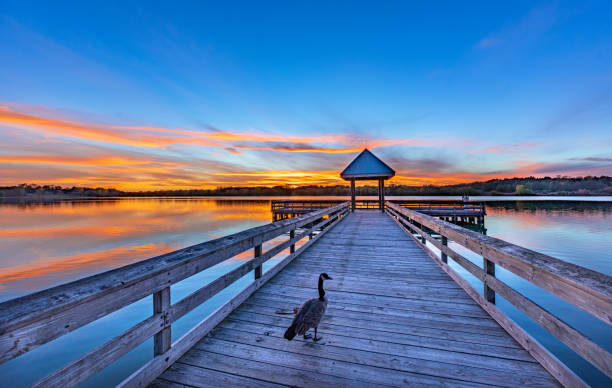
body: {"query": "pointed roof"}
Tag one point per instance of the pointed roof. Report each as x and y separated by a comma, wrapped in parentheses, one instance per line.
(367, 166)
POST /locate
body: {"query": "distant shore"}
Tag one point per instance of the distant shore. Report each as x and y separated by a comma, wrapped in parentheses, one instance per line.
(530, 186)
(477, 198)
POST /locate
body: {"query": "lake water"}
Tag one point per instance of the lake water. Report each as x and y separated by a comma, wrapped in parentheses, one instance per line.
(46, 244)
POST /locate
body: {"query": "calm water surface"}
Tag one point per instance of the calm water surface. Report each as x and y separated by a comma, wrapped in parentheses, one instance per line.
(44, 245)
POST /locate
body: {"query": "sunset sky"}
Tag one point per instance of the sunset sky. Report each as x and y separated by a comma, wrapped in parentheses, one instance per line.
(203, 95)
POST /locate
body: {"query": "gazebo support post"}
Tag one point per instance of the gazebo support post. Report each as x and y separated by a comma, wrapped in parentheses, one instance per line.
(352, 195)
(378, 193)
(381, 194)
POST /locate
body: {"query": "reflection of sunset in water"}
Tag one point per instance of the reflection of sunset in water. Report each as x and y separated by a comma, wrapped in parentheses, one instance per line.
(49, 244)
(578, 232)
(541, 217)
(35, 273)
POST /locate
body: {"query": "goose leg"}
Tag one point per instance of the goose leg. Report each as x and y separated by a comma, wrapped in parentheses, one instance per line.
(315, 336)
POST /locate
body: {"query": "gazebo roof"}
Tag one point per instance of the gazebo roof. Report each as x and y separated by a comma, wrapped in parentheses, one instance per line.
(367, 166)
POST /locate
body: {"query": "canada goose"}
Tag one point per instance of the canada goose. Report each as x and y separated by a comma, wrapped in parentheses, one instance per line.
(310, 314)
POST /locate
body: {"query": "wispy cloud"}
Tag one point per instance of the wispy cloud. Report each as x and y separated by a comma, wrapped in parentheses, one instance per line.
(569, 167)
(595, 159)
(489, 42)
(102, 160)
(580, 109)
(511, 148)
(522, 32)
(160, 137)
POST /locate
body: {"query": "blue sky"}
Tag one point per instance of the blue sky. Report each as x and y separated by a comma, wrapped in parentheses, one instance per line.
(140, 96)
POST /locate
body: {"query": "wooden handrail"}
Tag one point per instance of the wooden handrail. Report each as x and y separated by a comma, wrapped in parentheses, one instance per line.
(32, 320)
(426, 205)
(582, 287)
(450, 204)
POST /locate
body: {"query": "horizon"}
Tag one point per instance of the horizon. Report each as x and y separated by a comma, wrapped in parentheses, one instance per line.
(342, 183)
(204, 96)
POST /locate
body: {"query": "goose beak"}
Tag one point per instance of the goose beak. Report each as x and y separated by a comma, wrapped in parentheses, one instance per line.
(330, 278)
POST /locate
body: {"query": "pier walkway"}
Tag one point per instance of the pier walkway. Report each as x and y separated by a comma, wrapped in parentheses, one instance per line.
(394, 318)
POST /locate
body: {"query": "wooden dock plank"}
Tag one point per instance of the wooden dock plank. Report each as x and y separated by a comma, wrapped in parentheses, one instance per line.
(417, 338)
(413, 329)
(440, 370)
(388, 313)
(341, 337)
(350, 373)
(394, 318)
(380, 306)
(199, 376)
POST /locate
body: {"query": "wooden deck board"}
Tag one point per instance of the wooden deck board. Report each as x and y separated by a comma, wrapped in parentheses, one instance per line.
(394, 318)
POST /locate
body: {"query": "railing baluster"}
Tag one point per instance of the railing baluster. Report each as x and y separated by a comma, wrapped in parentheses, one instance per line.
(256, 255)
(445, 243)
(292, 235)
(161, 304)
(423, 240)
(489, 268)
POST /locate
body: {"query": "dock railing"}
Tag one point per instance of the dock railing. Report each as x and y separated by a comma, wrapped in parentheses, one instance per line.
(309, 205)
(434, 207)
(33, 320)
(420, 205)
(302, 204)
(589, 290)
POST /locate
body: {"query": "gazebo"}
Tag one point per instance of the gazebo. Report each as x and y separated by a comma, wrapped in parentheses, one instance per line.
(366, 166)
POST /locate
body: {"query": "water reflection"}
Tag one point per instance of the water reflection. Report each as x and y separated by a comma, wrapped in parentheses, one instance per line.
(48, 244)
(578, 232)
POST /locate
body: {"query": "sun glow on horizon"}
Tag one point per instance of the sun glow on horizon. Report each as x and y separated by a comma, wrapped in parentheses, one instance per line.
(55, 150)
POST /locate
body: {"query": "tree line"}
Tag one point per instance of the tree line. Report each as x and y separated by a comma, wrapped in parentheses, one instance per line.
(562, 186)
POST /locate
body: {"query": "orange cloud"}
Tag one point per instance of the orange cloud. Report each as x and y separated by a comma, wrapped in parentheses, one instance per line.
(74, 129)
(105, 160)
(232, 141)
(301, 148)
(280, 177)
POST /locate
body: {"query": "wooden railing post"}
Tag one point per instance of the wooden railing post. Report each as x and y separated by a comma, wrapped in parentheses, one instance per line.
(489, 268)
(423, 240)
(445, 243)
(292, 246)
(161, 304)
(258, 268)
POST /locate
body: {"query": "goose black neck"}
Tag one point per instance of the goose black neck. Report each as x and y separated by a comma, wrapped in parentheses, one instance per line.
(321, 290)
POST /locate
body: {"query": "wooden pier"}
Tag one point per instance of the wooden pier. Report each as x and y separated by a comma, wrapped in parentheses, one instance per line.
(398, 314)
(448, 210)
(394, 318)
